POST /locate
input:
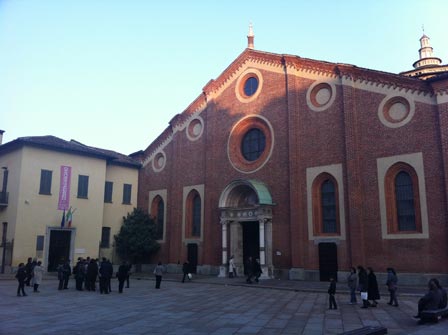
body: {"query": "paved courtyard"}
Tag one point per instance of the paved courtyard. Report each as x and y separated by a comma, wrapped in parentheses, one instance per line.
(199, 307)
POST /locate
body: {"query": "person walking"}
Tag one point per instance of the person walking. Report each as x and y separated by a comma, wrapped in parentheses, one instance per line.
(249, 268)
(129, 266)
(257, 270)
(373, 292)
(391, 283)
(232, 269)
(158, 272)
(29, 271)
(331, 294)
(122, 274)
(186, 271)
(38, 272)
(352, 282)
(21, 276)
(363, 285)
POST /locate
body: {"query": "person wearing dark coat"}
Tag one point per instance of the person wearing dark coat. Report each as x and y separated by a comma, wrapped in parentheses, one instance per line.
(67, 270)
(186, 270)
(21, 276)
(80, 273)
(29, 271)
(391, 283)
(249, 268)
(373, 292)
(257, 270)
(92, 273)
(331, 293)
(363, 282)
(122, 274)
(431, 300)
(61, 276)
(129, 266)
(444, 297)
(105, 272)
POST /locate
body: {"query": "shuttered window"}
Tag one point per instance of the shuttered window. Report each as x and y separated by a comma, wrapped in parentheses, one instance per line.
(83, 186)
(45, 182)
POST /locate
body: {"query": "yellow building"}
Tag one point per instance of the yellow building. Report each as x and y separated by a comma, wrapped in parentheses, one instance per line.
(44, 179)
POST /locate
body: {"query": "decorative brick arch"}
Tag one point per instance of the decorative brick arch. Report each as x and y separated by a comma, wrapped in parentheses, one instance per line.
(318, 228)
(391, 200)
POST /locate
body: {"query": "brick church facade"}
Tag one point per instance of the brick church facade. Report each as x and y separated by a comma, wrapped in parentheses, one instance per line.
(312, 167)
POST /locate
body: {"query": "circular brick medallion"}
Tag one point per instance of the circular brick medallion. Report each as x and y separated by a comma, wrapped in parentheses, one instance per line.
(239, 134)
(320, 96)
(159, 161)
(195, 128)
(395, 111)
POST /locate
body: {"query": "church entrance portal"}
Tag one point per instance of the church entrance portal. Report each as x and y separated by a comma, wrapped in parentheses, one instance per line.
(59, 248)
(251, 241)
(246, 221)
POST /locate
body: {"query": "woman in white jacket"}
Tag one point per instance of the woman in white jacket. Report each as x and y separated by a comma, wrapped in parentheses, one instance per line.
(38, 272)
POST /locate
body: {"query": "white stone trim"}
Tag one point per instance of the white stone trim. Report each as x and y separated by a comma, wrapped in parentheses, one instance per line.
(240, 83)
(163, 194)
(195, 137)
(154, 161)
(271, 149)
(407, 119)
(416, 161)
(311, 173)
(328, 103)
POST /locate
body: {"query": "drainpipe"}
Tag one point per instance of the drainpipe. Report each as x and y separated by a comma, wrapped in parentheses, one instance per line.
(5, 228)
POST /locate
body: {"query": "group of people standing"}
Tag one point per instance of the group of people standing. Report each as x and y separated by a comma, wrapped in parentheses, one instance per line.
(87, 271)
(365, 282)
(29, 274)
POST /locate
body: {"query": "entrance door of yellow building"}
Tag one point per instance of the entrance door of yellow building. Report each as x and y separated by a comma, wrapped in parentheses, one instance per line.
(59, 248)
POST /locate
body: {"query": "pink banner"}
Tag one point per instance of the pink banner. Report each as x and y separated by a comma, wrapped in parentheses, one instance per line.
(64, 188)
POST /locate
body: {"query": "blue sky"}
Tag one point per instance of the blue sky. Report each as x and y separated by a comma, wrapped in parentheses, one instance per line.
(112, 74)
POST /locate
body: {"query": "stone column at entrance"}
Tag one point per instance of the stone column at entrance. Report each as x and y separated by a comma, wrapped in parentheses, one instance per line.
(265, 234)
(262, 244)
(223, 267)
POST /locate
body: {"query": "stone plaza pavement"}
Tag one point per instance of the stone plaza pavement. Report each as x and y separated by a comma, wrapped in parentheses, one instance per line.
(206, 305)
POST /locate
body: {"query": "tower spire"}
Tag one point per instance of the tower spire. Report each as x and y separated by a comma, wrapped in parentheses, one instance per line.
(426, 54)
(250, 37)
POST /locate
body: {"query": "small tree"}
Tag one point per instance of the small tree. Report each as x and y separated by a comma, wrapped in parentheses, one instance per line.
(136, 240)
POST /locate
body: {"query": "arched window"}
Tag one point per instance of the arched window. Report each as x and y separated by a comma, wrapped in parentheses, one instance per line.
(196, 219)
(402, 199)
(325, 205)
(328, 203)
(193, 214)
(404, 196)
(158, 213)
